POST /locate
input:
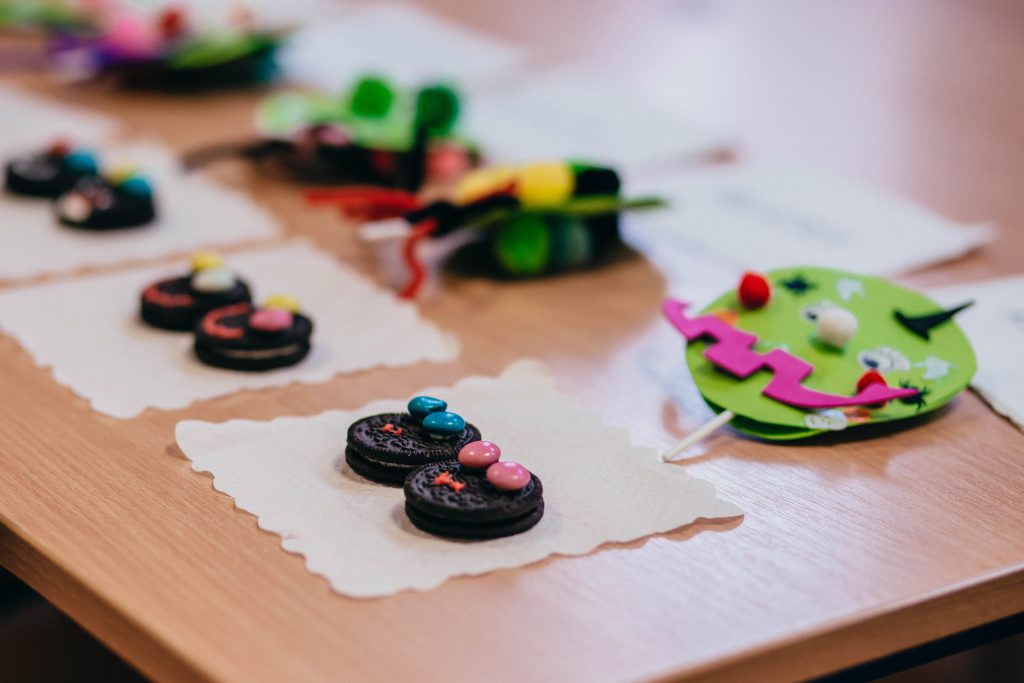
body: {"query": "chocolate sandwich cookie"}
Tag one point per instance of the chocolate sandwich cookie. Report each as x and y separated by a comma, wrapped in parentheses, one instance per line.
(242, 337)
(385, 448)
(474, 497)
(50, 173)
(100, 203)
(179, 303)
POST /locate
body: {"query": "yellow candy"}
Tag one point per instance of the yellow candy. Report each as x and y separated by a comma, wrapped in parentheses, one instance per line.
(204, 260)
(283, 302)
(545, 185)
(121, 174)
(480, 183)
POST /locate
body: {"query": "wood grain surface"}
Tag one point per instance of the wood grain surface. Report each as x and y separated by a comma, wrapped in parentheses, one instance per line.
(849, 550)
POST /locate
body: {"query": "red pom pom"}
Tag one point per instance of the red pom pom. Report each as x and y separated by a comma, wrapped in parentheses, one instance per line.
(868, 378)
(754, 291)
(172, 23)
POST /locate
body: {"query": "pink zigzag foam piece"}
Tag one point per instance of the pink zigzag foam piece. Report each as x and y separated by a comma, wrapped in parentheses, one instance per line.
(732, 352)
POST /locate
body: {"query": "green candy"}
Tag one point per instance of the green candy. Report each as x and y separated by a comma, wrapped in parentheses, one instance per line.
(372, 97)
(522, 244)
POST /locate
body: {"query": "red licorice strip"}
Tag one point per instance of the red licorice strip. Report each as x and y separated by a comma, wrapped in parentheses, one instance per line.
(416, 270)
(365, 203)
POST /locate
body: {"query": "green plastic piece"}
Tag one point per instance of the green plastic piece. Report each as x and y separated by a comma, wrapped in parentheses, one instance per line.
(601, 204)
(940, 368)
(372, 97)
(437, 108)
(219, 48)
(522, 244)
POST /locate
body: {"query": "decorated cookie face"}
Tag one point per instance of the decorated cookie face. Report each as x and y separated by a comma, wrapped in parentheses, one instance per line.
(812, 348)
(179, 303)
(453, 500)
(49, 173)
(98, 203)
(240, 337)
(386, 448)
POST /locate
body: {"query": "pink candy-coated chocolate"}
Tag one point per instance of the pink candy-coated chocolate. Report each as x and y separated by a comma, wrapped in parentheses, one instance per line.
(270, 320)
(479, 454)
(508, 476)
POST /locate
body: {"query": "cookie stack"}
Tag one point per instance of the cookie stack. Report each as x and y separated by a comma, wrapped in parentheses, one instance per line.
(454, 482)
(230, 331)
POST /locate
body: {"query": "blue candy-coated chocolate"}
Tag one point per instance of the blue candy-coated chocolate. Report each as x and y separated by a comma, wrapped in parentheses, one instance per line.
(421, 406)
(81, 161)
(137, 185)
(444, 424)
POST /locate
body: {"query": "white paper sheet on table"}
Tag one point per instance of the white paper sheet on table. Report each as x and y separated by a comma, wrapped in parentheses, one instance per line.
(995, 326)
(193, 211)
(28, 122)
(598, 487)
(398, 41)
(88, 331)
(572, 113)
(768, 217)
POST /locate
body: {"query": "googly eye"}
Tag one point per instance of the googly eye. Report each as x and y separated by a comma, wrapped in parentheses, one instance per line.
(872, 360)
(883, 359)
(811, 313)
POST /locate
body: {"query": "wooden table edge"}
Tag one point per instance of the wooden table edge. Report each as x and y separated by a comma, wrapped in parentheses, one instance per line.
(74, 596)
(873, 633)
(831, 647)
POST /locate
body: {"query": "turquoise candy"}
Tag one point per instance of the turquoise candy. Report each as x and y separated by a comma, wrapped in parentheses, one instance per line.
(443, 424)
(81, 161)
(421, 406)
(137, 185)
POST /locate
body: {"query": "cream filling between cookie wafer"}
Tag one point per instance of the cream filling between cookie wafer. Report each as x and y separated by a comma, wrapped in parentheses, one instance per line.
(257, 354)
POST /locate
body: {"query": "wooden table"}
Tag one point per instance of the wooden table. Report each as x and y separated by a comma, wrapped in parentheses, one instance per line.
(849, 550)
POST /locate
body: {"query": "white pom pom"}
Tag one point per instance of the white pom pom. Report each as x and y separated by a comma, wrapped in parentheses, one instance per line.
(836, 326)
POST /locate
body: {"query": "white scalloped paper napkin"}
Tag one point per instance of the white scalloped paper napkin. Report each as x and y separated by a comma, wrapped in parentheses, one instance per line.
(88, 331)
(28, 122)
(772, 216)
(598, 487)
(420, 46)
(995, 326)
(193, 211)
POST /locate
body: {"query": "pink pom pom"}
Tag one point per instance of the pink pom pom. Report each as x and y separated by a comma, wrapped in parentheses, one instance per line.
(131, 37)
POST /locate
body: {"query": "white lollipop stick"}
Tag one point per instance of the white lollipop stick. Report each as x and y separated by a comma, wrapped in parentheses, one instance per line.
(698, 434)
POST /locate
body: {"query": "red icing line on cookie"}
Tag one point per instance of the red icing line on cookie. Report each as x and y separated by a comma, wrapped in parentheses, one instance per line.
(158, 297)
(391, 429)
(211, 321)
